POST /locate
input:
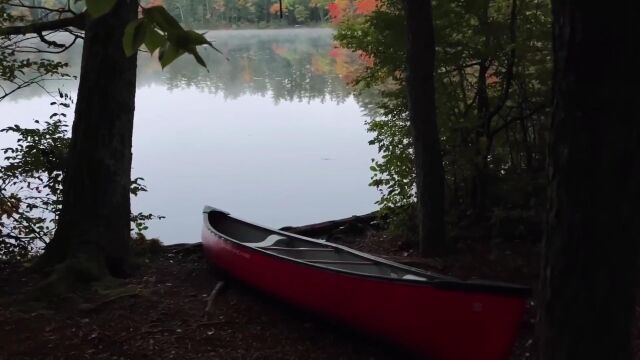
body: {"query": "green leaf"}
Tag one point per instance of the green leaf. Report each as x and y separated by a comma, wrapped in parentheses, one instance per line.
(154, 40)
(98, 8)
(196, 39)
(134, 35)
(169, 53)
(159, 16)
(187, 41)
(175, 41)
(198, 58)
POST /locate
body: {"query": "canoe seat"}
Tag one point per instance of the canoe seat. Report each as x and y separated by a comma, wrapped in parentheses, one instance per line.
(269, 241)
(413, 277)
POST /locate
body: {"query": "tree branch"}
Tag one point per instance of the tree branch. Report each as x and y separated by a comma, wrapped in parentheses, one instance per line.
(78, 21)
(510, 63)
(48, 42)
(462, 66)
(35, 50)
(517, 118)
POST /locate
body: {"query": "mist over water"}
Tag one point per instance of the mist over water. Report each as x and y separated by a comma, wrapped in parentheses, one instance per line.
(271, 135)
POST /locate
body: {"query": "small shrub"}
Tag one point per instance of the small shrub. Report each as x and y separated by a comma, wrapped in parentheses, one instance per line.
(31, 174)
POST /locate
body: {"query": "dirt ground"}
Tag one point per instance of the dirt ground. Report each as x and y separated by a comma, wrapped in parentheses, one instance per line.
(159, 313)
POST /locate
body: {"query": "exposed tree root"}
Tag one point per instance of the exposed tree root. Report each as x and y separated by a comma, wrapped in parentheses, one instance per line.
(74, 274)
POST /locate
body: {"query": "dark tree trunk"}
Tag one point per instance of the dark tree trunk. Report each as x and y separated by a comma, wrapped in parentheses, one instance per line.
(267, 12)
(94, 224)
(422, 117)
(480, 163)
(590, 251)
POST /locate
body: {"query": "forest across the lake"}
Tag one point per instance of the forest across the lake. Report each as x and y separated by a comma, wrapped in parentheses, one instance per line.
(491, 147)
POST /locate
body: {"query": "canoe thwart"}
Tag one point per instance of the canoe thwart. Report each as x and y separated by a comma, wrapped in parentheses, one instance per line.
(352, 262)
(296, 249)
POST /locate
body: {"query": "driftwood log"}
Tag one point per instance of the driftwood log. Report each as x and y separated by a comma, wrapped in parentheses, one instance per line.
(185, 249)
(327, 227)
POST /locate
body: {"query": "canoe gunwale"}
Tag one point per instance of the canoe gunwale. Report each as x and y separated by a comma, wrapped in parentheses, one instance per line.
(433, 280)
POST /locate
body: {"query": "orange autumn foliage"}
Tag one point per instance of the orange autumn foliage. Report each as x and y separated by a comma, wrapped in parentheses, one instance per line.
(339, 9)
(349, 64)
(364, 7)
(275, 8)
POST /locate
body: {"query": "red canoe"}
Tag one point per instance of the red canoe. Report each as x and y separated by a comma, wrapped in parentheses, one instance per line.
(436, 316)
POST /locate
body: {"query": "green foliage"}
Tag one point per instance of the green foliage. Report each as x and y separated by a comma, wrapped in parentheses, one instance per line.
(31, 183)
(143, 247)
(134, 36)
(493, 141)
(140, 220)
(394, 173)
(31, 176)
(381, 93)
(98, 8)
(153, 40)
(157, 29)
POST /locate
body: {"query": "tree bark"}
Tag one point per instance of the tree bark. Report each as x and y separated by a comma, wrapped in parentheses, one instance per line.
(424, 128)
(591, 246)
(94, 223)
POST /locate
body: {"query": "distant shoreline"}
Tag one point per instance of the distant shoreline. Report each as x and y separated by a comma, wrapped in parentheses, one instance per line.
(275, 28)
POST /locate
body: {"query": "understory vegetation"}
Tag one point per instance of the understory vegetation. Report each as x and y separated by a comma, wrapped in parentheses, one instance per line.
(31, 179)
(493, 61)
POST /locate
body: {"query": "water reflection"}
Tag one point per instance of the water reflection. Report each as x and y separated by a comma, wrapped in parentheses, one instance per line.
(272, 135)
(285, 65)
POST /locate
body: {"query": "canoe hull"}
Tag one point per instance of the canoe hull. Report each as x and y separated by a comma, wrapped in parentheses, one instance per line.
(436, 323)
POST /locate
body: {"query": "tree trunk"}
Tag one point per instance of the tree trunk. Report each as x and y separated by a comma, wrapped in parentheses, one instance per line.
(422, 117)
(590, 250)
(480, 164)
(94, 224)
(267, 9)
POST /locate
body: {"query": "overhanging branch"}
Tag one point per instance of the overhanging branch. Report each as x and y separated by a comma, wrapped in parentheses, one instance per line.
(78, 21)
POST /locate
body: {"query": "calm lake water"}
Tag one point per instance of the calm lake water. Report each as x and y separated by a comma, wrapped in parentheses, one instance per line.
(272, 135)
